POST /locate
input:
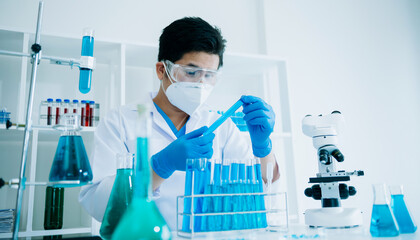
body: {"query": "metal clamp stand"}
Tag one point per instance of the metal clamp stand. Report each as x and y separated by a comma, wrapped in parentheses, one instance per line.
(88, 62)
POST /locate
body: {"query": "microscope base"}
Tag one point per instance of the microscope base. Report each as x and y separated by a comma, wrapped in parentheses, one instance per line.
(334, 217)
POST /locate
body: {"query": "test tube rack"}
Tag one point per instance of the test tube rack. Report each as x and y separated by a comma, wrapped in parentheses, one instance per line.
(276, 213)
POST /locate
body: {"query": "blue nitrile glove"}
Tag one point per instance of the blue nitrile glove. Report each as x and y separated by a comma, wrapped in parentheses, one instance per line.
(259, 117)
(174, 156)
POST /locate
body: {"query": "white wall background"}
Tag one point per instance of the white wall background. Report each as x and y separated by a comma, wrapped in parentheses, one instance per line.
(359, 57)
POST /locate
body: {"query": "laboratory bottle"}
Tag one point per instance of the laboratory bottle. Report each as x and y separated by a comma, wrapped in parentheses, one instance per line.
(54, 206)
(401, 212)
(66, 106)
(87, 51)
(58, 105)
(87, 114)
(71, 164)
(121, 195)
(142, 220)
(49, 111)
(91, 113)
(96, 114)
(383, 222)
(82, 112)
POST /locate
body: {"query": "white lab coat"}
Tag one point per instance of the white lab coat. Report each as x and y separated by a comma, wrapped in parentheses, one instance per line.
(117, 129)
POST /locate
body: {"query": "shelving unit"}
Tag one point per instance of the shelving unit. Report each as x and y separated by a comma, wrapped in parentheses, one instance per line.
(124, 73)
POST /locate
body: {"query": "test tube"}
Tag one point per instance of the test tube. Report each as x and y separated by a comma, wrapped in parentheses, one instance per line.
(87, 114)
(75, 106)
(91, 113)
(83, 113)
(66, 105)
(57, 110)
(49, 110)
(227, 200)
(217, 189)
(87, 50)
(96, 114)
(188, 191)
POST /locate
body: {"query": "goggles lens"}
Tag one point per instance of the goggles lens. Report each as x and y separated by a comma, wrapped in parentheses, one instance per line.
(182, 73)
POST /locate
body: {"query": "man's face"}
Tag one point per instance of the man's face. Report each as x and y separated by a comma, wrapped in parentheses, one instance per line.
(194, 59)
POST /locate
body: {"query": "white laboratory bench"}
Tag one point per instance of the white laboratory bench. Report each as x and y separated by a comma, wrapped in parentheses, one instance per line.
(304, 232)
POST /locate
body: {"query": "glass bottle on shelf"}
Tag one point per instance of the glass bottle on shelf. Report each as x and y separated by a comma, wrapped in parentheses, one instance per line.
(383, 223)
(142, 220)
(121, 195)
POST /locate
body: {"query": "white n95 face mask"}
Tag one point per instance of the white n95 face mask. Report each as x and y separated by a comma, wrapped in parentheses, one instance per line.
(188, 96)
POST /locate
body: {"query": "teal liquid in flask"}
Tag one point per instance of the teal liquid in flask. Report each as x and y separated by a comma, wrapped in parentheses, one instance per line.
(71, 165)
(121, 195)
(142, 220)
(402, 214)
(383, 222)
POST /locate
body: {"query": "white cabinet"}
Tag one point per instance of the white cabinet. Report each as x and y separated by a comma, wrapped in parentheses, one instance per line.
(124, 72)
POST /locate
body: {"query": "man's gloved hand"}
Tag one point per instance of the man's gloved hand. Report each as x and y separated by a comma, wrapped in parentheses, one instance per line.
(260, 118)
(174, 156)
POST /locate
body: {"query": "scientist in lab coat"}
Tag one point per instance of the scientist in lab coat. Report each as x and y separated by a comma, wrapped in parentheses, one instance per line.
(190, 55)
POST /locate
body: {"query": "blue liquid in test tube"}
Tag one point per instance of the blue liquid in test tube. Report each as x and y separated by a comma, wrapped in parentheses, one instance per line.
(186, 220)
(216, 222)
(262, 221)
(227, 204)
(383, 222)
(85, 78)
(249, 188)
(207, 203)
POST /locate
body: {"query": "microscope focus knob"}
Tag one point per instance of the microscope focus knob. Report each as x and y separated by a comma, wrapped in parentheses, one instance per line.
(314, 192)
(352, 191)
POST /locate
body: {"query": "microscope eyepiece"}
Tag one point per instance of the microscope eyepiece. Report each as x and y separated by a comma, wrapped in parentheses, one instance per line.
(336, 112)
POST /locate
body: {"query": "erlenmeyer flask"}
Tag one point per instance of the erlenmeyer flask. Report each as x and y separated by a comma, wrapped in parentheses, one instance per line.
(121, 194)
(402, 214)
(383, 223)
(142, 220)
(71, 164)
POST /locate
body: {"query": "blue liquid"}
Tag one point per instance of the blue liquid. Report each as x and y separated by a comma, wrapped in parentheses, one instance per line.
(85, 78)
(262, 219)
(207, 208)
(87, 46)
(118, 202)
(218, 208)
(234, 172)
(187, 201)
(383, 223)
(71, 162)
(401, 213)
(242, 171)
(227, 207)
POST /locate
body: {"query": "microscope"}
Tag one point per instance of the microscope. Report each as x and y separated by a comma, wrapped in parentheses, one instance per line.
(327, 185)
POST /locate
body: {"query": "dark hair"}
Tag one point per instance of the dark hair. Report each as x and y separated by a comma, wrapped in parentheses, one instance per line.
(190, 34)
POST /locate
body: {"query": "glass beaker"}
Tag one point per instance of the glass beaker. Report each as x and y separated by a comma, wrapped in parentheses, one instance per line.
(142, 220)
(383, 223)
(71, 166)
(402, 214)
(121, 194)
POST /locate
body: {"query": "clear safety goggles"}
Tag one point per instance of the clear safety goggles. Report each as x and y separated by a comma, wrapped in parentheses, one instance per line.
(181, 73)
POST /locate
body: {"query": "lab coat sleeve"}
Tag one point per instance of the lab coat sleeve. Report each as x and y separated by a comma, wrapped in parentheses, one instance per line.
(107, 144)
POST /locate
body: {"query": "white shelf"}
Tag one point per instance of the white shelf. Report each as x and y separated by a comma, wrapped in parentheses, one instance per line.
(37, 233)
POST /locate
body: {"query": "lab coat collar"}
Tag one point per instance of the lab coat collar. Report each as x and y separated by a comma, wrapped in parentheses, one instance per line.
(191, 125)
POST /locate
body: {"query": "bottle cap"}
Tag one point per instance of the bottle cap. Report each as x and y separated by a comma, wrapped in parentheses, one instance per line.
(58, 100)
(75, 101)
(50, 100)
(66, 100)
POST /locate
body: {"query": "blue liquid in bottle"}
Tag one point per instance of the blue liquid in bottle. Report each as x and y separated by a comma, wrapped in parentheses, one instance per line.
(401, 213)
(85, 73)
(71, 162)
(383, 222)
